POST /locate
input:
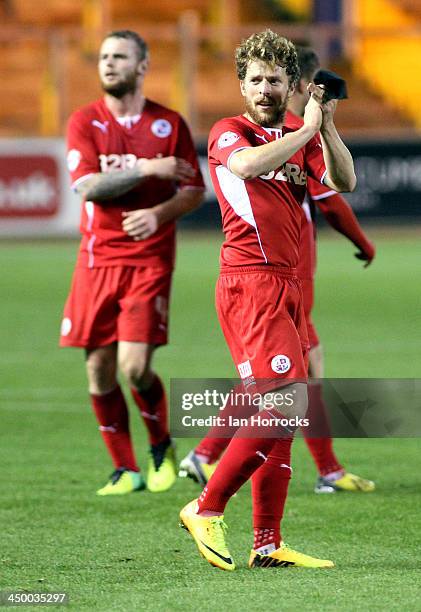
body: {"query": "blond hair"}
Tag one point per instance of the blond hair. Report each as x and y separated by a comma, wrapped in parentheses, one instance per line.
(270, 48)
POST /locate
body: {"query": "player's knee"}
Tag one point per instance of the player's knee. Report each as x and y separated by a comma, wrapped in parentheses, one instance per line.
(136, 374)
(316, 362)
(101, 373)
(294, 401)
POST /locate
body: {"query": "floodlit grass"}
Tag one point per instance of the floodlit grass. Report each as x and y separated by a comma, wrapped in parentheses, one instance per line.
(128, 553)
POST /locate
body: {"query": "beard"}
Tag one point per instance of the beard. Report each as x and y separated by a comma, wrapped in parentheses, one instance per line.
(128, 85)
(268, 117)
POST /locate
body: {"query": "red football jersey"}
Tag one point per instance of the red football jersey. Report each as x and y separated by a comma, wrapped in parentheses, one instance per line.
(315, 191)
(261, 217)
(97, 142)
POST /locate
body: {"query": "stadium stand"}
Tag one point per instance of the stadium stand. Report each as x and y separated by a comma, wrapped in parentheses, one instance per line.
(48, 55)
(386, 49)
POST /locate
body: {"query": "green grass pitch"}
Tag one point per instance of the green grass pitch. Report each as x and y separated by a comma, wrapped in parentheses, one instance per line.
(129, 554)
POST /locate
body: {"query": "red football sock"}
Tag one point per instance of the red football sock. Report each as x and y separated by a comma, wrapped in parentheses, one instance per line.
(113, 418)
(242, 458)
(269, 492)
(323, 455)
(212, 446)
(321, 448)
(152, 404)
(266, 537)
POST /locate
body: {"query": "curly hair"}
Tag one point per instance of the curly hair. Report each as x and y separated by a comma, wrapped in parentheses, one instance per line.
(268, 47)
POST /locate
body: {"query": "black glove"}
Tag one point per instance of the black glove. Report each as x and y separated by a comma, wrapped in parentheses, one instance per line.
(366, 253)
(335, 86)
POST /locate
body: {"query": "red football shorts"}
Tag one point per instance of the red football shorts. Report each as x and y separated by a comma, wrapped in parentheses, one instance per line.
(308, 300)
(262, 318)
(110, 304)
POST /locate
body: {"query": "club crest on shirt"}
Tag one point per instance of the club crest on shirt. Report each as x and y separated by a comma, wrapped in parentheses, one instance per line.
(227, 139)
(73, 159)
(161, 128)
(280, 364)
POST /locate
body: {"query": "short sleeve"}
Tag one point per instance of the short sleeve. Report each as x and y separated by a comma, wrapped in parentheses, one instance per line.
(315, 164)
(82, 155)
(186, 150)
(318, 191)
(225, 139)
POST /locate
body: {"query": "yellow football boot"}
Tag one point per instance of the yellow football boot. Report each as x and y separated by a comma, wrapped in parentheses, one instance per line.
(191, 467)
(284, 556)
(209, 534)
(347, 482)
(123, 481)
(161, 468)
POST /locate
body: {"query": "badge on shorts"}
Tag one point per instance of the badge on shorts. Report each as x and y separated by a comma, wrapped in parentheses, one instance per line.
(280, 364)
(66, 326)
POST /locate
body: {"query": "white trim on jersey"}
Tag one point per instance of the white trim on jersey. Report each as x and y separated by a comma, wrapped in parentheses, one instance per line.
(81, 179)
(234, 191)
(129, 122)
(235, 151)
(276, 131)
(322, 196)
(90, 249)
(322, 180)
(90, 213)
(306, 208)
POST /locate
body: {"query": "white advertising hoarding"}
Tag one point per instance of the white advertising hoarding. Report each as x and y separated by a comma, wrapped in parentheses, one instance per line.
(35, 195)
